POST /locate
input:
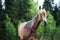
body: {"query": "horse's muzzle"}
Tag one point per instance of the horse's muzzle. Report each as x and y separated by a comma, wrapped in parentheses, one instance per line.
(45, 22)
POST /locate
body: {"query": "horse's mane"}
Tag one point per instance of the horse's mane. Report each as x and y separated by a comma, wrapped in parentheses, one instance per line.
(35, 20)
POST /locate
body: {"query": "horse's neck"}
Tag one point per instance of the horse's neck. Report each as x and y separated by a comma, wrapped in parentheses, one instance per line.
(32, 22)
(35, 22)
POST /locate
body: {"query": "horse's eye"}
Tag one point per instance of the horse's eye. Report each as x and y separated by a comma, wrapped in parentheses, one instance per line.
(43, 14)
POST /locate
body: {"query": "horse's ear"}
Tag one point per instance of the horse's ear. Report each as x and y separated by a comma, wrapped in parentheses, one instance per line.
(39, 7)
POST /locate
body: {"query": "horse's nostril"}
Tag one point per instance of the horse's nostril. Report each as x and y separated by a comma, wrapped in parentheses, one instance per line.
(45, 23)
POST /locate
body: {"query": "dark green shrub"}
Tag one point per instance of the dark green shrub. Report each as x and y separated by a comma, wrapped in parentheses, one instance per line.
(10, 29)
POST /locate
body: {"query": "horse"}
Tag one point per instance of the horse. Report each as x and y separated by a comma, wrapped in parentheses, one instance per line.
(27, 30)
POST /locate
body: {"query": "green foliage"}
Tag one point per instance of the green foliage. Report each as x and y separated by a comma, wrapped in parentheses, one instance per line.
(0, 6)
(0, 11)
(48, 4)
(2, 26)
(51, 21)
(12, 8)
(57, 35)
(27, 9)
(20, 21)
(58, 17)
(10, 29)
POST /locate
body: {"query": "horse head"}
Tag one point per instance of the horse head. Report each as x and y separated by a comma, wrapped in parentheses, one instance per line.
(43, 15)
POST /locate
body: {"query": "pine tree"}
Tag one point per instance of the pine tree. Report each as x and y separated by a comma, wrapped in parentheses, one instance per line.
(2, 27)
(48, 4)
(27, 9)
(12, 10)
